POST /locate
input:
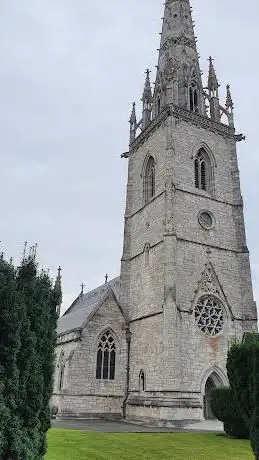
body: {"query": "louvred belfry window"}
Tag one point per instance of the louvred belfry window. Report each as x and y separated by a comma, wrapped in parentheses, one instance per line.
(106, 354)
(202, 171)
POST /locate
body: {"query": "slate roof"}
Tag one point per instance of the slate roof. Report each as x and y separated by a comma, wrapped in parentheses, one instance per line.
(83, 307)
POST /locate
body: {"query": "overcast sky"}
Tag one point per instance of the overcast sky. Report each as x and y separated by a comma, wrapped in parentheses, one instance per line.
(69, 72)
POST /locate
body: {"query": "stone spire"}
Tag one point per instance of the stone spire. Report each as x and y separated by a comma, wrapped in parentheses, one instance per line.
(147, 100)
(178, 73)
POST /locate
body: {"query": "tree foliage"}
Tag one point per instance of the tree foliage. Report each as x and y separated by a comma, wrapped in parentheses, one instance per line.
(28, 319)
(225, 409)
(243, 373)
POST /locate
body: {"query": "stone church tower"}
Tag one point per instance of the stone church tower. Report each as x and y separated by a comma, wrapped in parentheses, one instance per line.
(152, 344)
(185, 275)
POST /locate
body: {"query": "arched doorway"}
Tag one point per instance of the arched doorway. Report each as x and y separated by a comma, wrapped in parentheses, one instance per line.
(213, 382)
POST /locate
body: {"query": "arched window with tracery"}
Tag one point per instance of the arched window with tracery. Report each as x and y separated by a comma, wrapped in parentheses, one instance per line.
(62, 366)
(142, 381)
(106, 354)
(194, 97)
(203, 171)
(149, 180)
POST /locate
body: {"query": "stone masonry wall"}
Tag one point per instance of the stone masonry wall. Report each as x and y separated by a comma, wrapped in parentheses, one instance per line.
(175, 354)
(84, 394)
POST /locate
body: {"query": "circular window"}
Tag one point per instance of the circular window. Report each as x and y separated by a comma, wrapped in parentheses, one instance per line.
(209, 316)
(206, 220)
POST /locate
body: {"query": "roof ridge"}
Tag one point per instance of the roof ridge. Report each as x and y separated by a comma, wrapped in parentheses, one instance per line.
(90, 294)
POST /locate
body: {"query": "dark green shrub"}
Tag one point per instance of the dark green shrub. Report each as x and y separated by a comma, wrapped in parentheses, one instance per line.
(224, 409)
(243, 374)
(28, 302)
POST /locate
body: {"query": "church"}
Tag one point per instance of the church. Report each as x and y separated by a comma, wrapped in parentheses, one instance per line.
(151, 345)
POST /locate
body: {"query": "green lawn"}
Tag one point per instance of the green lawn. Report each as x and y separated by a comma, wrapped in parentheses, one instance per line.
(77, 445)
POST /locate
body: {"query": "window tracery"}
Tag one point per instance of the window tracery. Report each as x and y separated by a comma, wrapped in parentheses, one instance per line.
(106, 354)
(209, 315)
(203, 171)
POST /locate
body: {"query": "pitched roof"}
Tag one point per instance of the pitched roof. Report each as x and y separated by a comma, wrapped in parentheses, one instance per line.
(84, 306)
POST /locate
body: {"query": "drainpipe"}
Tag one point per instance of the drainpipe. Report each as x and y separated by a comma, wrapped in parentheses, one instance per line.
(128, 340)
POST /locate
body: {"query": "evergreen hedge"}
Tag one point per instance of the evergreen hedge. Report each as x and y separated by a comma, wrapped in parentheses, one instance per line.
(28, 320)
(224, 409)
(243, 374)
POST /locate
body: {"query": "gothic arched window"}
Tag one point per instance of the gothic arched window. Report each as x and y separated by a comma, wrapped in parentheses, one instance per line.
(149, 180)
(142, 381)
(203, 171)
(106, 353)
(194, 97)
(62, 365)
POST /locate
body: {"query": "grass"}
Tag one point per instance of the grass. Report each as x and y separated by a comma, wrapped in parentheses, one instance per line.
(77, 445)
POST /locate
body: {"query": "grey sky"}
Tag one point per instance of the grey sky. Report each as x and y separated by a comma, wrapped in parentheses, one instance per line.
(69, 72)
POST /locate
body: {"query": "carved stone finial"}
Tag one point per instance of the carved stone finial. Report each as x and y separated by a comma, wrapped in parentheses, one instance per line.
(106, 278)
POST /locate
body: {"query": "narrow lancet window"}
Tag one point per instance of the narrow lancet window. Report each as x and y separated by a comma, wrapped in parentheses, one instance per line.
(203, 171)
(194, 97)
(147, 255)
(158, 105)
(149, 180)
(62, 365)
(106, 354)
(142, 381)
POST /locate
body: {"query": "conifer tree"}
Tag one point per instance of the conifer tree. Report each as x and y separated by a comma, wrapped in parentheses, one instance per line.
(11, 430)
(27, 341)
(243, 374)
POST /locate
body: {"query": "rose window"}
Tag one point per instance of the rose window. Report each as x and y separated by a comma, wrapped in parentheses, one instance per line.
(209, 316)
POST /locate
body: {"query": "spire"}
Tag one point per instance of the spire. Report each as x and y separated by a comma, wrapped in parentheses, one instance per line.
(133, 123)
(178, 73)
(58, 291)
(147, 102)
(213, 85)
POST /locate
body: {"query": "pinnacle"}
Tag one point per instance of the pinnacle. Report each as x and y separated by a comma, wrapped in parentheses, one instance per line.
(147, 94)
(213, 84)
